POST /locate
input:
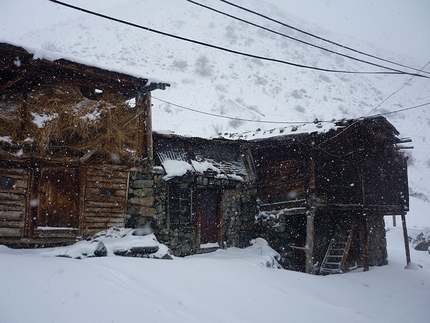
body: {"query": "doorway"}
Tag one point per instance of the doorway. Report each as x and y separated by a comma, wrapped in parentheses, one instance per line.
(208, 213)
(58, 198)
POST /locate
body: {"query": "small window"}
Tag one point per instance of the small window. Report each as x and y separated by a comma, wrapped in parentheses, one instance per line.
(180, 205)
(107, 192)
(6, 182)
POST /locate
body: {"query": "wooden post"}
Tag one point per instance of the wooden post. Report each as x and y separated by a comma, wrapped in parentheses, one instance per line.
(366, 243)
(310, 232)
(394, 221)
(143, 101)
(406, 238)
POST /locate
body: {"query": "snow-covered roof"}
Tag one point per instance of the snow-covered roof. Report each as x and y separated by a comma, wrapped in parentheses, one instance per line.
(48, 65)
(179, 155)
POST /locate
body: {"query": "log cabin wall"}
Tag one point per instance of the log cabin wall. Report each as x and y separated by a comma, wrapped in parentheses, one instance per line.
(104, 199)
(14, 183)
(281, 169)
(69, 135)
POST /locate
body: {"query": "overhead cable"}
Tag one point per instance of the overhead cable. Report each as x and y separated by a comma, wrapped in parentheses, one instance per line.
(299, 40)
(219, 47)
(233, 118)
(282, 122)
(319, 37)
(395, 92)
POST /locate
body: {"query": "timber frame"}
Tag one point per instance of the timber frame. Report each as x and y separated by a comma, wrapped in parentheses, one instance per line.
(334, 185)
(58, 184)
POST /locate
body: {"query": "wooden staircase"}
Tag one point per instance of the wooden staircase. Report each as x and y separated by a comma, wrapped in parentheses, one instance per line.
(337, 252)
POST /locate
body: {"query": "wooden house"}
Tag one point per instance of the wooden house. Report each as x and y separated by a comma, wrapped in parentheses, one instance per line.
(324, 194)
(69, 136)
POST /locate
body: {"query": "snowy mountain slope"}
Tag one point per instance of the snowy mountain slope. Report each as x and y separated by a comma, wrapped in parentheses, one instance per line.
(234, 86)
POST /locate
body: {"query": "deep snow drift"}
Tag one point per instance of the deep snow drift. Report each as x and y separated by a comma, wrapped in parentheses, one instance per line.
(233, 285)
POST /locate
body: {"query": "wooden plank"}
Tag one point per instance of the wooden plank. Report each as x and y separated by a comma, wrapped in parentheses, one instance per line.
(10, 232)
(112, 173)
(12, 205)
(102, 220)
(11, 223)
(13, 172)
(109, 215)
(11, 196)
(107, 175)
(56, 233)
(92, 192)
(106, 204)
(11, 216)
(107, 184)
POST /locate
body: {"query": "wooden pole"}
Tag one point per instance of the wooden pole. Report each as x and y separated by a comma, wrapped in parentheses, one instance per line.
(406, 239)
(310, 231)
(366, 243)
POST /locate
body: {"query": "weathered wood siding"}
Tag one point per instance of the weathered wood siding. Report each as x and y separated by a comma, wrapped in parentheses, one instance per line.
(385, 181)
(13, 202)
(105, 199)
(361, 168)
(281, 175)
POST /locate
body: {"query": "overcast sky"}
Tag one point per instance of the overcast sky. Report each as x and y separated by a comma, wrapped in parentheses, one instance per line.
(399, 25)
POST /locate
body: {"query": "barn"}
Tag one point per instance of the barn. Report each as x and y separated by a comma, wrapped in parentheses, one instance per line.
(324, 194)
(70, 134)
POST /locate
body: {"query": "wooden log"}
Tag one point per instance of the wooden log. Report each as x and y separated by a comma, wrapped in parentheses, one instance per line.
(366, 244)
(310, 239)
(10, 232)
(406, 239)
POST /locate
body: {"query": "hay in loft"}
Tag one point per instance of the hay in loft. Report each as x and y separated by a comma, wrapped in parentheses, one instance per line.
(59, 119)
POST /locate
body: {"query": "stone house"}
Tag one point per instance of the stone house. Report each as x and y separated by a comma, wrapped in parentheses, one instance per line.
(200, 197)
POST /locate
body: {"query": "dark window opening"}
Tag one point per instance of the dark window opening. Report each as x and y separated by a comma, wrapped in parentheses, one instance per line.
(107, 192)
(6, 182)
(180, 205)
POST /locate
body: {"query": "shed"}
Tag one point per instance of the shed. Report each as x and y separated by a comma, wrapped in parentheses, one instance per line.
(70, 134)
(200, 196)
(324, 194)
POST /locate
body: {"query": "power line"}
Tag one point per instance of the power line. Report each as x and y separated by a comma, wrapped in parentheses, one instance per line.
(283, 122)
(395, 92)
(299, 40)
(233, 118)
(401, 110)
(318, 37)
(218, 47)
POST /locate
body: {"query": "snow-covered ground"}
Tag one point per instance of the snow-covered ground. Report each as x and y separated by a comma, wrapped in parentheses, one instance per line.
(229, 285)
(233, 285)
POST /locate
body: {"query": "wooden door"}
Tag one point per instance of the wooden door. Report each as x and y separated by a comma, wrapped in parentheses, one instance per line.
(58, 196)
(208, 212)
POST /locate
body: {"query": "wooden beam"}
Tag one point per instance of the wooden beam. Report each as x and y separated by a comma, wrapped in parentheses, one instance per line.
(406, 239)
(310, 239)
(366, 243)
(143, 102)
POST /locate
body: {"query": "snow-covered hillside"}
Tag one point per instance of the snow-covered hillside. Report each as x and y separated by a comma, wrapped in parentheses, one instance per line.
(220, 287)
(235, 86)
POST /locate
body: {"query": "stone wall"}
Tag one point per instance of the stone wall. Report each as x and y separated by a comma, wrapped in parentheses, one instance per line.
(148, 205)
(378, 255)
